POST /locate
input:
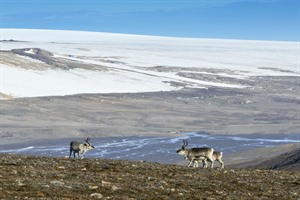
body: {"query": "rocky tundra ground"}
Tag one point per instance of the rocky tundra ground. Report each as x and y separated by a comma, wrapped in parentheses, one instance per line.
(29, 177)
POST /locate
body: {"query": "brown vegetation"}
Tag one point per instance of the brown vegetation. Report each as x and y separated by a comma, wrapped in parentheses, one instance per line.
(60, 178)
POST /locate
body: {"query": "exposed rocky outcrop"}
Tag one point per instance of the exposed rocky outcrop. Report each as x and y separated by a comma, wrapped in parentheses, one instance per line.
(52, 61)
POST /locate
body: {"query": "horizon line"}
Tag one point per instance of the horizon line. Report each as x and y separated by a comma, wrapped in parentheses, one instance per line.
(153, 35)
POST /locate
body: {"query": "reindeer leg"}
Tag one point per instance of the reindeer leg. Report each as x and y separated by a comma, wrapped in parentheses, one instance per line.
(70, 153)
(194, 164)
(190, 163)
(212, 163)
(210, 159)
(221, 163)
(204, 163)
(197, 162)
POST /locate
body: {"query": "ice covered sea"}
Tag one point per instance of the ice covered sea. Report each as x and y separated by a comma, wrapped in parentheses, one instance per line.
(154, 149)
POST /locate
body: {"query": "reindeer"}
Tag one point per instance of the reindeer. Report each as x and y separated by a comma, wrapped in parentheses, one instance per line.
(78, 147)
(217, 156)
(194, 153)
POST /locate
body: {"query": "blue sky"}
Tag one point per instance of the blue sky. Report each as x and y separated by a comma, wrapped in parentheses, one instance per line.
(232, 19)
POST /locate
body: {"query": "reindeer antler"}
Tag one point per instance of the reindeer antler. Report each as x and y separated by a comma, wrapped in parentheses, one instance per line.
(185, 143)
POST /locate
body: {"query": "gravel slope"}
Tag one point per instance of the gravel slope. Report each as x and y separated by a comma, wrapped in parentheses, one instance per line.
(26, 177)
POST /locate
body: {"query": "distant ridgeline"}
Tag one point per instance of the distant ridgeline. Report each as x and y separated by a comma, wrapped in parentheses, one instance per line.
(286, 161)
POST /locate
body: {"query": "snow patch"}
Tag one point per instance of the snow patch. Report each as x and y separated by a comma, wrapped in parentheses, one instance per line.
(30, 51)
(30, 83)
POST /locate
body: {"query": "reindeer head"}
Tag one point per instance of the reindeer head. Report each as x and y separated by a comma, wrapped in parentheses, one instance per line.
(182, 151)
(88, 144)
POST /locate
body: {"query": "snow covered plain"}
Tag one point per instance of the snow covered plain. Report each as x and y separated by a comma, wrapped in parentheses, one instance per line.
(52, 62)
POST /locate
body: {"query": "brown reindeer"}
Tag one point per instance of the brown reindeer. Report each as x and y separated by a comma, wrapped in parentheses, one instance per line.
(194, 153)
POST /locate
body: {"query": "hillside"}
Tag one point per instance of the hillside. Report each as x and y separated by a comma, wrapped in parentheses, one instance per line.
(287, 161)
(60, 178)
